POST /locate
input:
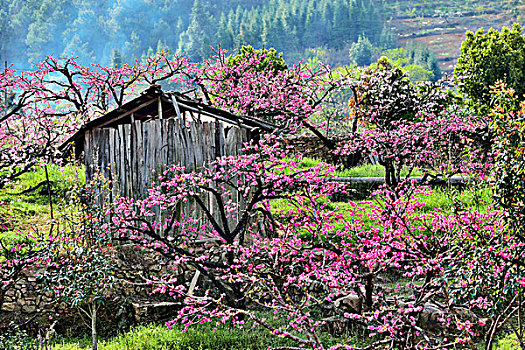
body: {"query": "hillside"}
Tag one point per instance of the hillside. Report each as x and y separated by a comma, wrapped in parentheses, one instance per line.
(442, 24)
(116, 32)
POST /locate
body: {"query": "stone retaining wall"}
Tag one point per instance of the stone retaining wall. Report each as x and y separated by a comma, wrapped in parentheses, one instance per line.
(311, 146)
(26, 299)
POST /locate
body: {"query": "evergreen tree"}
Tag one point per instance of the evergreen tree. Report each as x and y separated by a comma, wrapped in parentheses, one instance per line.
(342, 25)
(224, 33)
(116, 58)
(195, 41)
(49, 20)
(92, 28)
(361, 52)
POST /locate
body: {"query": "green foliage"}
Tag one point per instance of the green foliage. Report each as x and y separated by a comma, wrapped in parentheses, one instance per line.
(508, 343)
(416, 60)
(490, 57)
(16, 339)
(272, 60)
(361, 52)
(85, 276)
(25, 204)
(195, 41)
(31, 188)
(509, 147)
(208, 336)
(92, 29)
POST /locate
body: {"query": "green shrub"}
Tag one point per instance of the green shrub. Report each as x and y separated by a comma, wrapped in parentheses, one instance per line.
(508, 343)
(15, 339)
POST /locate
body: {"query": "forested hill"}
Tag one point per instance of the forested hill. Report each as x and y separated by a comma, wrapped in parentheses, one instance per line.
(119, 31)
(95, 30)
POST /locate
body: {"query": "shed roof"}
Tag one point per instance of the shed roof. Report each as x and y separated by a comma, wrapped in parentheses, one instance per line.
(172, 104)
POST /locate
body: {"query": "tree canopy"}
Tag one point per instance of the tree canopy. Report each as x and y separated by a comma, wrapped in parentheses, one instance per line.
(490, 57)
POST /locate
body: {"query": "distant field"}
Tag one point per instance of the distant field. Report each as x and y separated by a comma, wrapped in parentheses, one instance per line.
(442, 23)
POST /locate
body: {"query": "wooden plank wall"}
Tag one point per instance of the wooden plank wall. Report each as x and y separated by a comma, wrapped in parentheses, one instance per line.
(130, 155)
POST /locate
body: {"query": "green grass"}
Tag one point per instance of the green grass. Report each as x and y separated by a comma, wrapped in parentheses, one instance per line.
(372, 170)
(25, 205)
(199, 337)
(204, 337)
(507, 343)
(365, 170)
(61, 178)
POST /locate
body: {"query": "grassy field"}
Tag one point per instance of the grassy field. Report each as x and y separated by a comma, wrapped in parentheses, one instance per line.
(201, 337)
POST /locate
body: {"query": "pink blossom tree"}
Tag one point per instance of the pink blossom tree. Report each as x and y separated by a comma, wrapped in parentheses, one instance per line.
(48, 104)
(406, 126)
(410, 278)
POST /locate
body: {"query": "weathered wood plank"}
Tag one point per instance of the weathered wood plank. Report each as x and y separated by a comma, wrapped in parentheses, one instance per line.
(190, 148)
(156, 145)
(207, 143)
(88, 155)
(96, 147)
(111, 167)
(170, 140)
(106, 157)
(128, 160)
(163, 156)
(180, 146)
(117, 170)
(196, 131)
(219, 140)
(159, 108)
(122, 165)
(136, 136)
(146, 139)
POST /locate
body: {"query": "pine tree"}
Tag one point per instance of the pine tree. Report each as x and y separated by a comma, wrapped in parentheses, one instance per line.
(341, 25)
(224, 33)
(195, 41)
(361, 52)
(116, 58)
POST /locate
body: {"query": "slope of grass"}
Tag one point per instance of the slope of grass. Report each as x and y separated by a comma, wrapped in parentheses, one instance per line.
(25, 204)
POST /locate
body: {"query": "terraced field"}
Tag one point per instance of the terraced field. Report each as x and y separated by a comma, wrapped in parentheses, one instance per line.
(442, 23)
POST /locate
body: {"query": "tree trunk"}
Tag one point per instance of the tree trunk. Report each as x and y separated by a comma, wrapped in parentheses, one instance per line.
(94, 325)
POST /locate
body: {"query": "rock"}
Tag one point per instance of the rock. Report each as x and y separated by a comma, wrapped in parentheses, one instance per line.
(430, 316)
(9, 307)
(350, 303)
(29, 309)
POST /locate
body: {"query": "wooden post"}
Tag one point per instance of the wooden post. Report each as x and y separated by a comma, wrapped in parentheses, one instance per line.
(160, 108)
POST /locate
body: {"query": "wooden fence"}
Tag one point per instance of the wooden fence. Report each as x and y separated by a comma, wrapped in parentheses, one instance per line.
(130, 155)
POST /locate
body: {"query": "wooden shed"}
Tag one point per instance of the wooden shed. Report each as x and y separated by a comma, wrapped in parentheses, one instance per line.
(156, 129)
